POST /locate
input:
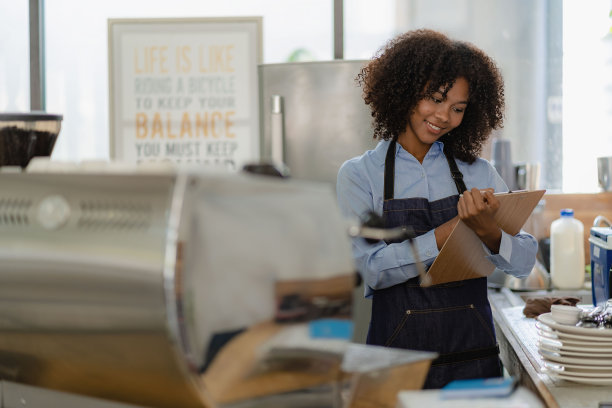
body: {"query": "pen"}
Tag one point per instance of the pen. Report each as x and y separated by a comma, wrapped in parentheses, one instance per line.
(481, 192)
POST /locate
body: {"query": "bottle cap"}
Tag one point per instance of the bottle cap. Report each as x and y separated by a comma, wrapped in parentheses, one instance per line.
(567, 212)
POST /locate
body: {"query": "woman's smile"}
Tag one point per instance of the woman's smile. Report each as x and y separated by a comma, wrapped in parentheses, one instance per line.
(434, 128)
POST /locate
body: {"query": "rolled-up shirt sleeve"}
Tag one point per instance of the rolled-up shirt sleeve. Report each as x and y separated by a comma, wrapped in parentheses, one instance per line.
(381, 265)
(516, 254)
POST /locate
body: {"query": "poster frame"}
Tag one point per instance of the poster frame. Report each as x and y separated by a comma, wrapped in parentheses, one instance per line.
(252, 25)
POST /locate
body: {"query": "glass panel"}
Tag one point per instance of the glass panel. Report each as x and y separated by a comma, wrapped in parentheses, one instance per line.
(367, 26)
(14, 56)
(77, 53)
(556, 58)
(514, 35)
(587, 91)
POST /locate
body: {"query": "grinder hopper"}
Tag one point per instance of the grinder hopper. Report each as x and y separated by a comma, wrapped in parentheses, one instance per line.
(26, 135)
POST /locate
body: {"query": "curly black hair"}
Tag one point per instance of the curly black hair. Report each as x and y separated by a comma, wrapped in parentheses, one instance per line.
(413, 66)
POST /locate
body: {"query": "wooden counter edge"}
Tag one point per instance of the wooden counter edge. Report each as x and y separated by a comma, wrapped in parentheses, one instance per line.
(514, 348)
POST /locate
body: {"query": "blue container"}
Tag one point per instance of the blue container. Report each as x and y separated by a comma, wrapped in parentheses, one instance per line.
(600, 244)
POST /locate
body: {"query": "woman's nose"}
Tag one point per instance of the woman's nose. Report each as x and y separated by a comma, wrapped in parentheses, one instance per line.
(442, 113)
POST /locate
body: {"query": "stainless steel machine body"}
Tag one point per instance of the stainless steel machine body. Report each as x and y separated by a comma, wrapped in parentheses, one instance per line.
(112, 285)
(87, 286)
(313, 117)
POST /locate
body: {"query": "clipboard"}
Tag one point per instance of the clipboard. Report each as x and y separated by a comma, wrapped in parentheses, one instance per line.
(463, 256)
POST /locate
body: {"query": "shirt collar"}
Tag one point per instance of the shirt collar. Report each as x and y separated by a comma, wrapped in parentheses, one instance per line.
(436, 149)
(381, 149)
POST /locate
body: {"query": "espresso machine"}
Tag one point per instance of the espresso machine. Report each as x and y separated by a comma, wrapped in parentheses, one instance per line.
(150, 287)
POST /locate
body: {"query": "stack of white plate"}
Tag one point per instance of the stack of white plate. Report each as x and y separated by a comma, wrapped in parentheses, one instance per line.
(572, 353)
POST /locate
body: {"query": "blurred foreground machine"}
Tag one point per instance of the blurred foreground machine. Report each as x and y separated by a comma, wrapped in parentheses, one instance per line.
(181, 289)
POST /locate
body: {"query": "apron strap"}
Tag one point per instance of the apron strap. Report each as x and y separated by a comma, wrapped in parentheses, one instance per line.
(455, 173)
(466, 355)
(390, 170)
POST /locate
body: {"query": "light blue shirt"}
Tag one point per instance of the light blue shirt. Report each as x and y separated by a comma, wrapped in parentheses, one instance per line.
(360, 187)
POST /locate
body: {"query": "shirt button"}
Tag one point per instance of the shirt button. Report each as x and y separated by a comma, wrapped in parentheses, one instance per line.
(429, 252)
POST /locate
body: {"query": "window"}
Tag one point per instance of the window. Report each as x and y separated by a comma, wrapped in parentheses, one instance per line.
(555, 55)
(587, 91)
(14, 57)
(556, 58)
(77, 53)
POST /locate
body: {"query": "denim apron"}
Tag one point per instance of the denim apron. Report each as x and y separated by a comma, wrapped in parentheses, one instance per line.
(453, 319)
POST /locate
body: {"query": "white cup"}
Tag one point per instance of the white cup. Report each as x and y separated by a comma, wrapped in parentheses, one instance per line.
(565, 314)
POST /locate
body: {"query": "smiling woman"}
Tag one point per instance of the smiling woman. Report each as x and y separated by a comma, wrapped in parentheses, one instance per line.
(434, 101)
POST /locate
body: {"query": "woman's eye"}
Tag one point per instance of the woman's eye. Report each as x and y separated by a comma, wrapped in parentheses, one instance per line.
(458, 110)
(436, 100)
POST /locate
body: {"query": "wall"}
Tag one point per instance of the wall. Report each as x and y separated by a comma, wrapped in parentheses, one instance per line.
(586, 207)
(524, 39)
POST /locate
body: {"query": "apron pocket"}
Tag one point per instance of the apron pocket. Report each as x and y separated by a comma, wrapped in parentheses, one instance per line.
(443, 330)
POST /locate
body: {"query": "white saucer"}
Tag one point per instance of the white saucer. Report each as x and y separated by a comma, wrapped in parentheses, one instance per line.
(555, 335)
(585, 361)
(567, 329)
(579, 369)
(552, 338)
(560, 346)
(561, 370)
(582, 380)
(580, 353)
(584, 333)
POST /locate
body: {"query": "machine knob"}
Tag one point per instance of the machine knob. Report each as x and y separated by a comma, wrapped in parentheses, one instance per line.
(53, 212)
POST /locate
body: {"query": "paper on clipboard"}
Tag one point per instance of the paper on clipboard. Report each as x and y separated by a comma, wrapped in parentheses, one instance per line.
(463, 256)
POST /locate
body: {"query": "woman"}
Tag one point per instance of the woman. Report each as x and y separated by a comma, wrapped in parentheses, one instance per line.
(434, 103)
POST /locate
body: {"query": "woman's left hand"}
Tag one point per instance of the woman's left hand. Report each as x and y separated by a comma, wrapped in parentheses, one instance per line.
(477, 209)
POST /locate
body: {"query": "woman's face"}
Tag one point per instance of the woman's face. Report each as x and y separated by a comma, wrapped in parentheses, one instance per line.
(434, 117)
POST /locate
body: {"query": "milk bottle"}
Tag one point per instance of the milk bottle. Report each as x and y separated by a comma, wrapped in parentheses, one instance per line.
(567, 251)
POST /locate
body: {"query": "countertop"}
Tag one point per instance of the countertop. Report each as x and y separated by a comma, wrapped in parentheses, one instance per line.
(517, 337)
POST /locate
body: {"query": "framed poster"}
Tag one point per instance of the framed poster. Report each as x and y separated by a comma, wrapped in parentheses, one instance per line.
(185, 90)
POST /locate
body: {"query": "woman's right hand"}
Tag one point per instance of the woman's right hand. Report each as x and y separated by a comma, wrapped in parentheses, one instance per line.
(477, 210)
